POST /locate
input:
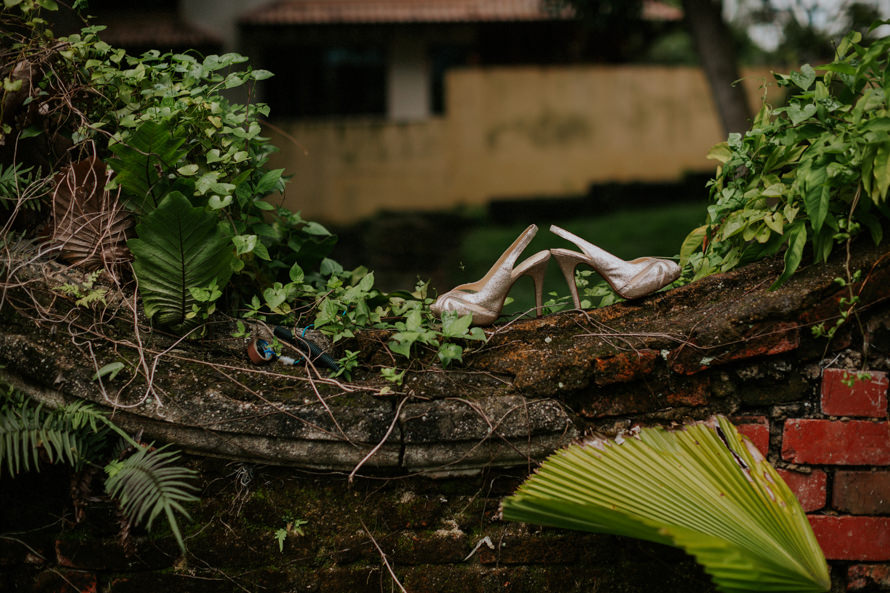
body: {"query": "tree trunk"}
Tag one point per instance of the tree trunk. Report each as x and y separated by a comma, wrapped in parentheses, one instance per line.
(714, 44)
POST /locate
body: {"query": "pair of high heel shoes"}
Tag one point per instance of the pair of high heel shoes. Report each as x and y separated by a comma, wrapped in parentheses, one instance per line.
(484, 298)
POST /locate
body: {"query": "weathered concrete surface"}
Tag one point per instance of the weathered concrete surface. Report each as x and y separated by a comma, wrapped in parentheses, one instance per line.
(722, 345)
(534, 386)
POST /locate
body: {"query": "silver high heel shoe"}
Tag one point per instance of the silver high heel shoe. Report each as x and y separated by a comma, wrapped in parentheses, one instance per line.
(630, 279)
(484, 298)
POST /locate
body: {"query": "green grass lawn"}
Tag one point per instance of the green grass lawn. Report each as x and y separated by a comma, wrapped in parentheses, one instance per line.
(655, 231)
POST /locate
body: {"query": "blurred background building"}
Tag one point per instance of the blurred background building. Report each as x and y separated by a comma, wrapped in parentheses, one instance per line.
(431, 105)
(515, 111)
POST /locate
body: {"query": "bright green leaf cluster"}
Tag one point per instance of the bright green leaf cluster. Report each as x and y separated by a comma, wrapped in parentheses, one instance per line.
(810, 174)
(172, 132)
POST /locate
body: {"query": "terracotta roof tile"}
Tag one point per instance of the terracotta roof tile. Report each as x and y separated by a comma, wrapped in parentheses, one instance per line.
(305, 12)
(155, 30)
(283, 12)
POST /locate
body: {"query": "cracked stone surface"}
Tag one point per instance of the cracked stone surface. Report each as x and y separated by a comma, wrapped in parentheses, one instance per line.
(534, 386)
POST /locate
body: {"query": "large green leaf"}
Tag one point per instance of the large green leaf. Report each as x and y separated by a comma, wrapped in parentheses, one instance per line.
(179, 247)
(142, 161)
(704, 488)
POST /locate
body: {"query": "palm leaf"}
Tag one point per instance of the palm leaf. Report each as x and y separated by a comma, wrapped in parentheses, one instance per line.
(703, 488)
(89, 225)
(149, 483)
(179, 247)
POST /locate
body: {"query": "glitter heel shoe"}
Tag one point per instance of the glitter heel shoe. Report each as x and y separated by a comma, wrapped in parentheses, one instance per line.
(629, 279)
(484, 298)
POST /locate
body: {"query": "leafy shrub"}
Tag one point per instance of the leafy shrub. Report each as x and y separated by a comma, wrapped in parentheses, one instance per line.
(812, 173)
(186, 158)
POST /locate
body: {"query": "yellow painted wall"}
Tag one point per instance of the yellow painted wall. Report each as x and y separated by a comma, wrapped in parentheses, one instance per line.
(508, 133)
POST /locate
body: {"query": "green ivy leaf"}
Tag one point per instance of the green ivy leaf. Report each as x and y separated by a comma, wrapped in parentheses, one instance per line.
(216, 202)
(367, 282)
(402, 347)
(261, 251)
(296, 274)
(244, 243)
(720, 152)
(799, 114)
(692, 243)
(797, 240)
(805, 77)
(269, 182)
(275, 295)
(413, 321)
(449, 353)
(261, 74)
(775, 222)
(454, 325)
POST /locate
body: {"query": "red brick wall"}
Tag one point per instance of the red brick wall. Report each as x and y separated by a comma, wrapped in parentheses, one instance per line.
(839, 460)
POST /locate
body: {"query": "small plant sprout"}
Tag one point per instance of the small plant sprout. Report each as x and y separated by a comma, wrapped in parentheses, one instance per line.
(347, 364)
(84, 292)
(293, 527)
(393, 375)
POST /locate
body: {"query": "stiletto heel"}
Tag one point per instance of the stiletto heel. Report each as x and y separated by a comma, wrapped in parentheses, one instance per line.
(629, 279)
(568, 260)
(484, 299)
(535, 267)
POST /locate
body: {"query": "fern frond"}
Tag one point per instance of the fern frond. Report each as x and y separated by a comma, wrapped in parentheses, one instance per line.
(69, 434)
(149, 483)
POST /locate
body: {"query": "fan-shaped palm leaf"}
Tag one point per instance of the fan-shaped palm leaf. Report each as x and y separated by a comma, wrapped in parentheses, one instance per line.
(89, 224)
(703, 488)
(148, 483)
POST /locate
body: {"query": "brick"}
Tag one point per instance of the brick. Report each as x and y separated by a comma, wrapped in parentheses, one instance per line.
(767, 339)
(755, 428)
(864, 397)
(868, 576)
(65, 581)
(690, 393)
(810, 489)
(625, 366)
(846, 537)
(852, 442)
(530, 549)
(862, 492)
